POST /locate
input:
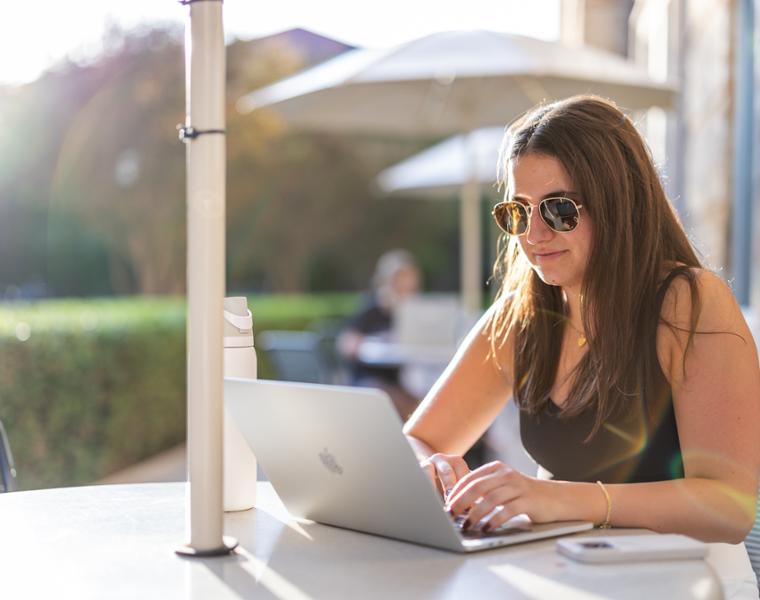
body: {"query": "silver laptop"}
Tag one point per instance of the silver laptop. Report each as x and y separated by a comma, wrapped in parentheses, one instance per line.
(336, 455)
(435, 320)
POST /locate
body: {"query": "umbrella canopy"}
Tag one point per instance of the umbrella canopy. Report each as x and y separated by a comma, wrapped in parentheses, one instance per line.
(446, 167)
(451, 82)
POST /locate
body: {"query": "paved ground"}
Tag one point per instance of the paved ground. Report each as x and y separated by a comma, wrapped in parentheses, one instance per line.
(167, 466)
(170, 465)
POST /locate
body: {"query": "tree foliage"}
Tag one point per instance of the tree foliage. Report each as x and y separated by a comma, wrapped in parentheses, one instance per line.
(92, 181)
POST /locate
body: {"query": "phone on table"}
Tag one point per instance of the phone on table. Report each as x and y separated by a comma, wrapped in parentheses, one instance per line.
(631, 548)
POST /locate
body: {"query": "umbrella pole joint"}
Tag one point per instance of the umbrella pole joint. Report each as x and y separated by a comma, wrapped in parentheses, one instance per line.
(188, 2)
(187, 133)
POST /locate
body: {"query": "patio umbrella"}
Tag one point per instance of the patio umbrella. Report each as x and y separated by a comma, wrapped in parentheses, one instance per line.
(452, 82)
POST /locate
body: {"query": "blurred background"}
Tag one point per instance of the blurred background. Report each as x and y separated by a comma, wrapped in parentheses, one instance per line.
(92, 194)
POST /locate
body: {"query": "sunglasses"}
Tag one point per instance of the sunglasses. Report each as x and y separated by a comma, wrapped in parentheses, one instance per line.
(559, 213)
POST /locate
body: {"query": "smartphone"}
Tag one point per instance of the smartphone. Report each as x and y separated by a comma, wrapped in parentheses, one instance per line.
(631, 548)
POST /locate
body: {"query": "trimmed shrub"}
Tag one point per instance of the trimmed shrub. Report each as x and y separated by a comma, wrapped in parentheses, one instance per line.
(90, 387)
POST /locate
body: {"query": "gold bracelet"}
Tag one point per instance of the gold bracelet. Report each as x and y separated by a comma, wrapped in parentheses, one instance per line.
(606, 524)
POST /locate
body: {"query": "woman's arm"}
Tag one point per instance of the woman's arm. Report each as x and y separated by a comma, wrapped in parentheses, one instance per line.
(465, 399)
(716, 396)
(348, 343)
(717, 404)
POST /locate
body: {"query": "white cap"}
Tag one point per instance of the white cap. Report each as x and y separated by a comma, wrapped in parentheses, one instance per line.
(238, 323)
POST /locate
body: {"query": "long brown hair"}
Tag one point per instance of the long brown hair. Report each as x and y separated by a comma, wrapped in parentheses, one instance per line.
(638, 248)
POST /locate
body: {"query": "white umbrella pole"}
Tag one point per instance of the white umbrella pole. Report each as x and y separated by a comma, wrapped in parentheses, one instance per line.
(470, 233)
(204, 134)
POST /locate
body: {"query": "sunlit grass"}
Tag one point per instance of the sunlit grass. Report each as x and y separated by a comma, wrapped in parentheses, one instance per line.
(114, 313)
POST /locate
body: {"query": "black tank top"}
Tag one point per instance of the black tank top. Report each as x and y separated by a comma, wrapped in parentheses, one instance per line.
(636, 444)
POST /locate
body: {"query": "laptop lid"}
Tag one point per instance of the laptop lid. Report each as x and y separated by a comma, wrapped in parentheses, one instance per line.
(435, 320)
(337, 455)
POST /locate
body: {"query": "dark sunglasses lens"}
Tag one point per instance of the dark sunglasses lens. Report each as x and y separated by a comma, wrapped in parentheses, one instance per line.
(511, 217)
(560, 214)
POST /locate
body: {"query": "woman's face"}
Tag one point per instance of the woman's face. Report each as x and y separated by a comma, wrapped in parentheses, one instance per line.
(406, 281)
(557, 258)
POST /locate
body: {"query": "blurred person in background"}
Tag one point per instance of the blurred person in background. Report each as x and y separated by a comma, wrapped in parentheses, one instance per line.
(396, 278)
(635, 373)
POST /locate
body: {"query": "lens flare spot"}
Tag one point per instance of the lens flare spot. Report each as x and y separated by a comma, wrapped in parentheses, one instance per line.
(676, 466)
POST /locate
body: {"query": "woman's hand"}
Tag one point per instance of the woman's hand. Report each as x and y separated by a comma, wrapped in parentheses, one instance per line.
(445, 470)
(492, 494)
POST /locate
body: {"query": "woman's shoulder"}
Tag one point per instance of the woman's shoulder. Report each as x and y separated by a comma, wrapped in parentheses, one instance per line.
(696, 301)
(697, 296)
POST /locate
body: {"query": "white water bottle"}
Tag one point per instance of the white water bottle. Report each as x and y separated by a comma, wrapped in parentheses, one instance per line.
(239, 361)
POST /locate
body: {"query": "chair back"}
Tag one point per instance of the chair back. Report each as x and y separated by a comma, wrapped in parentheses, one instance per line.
(752, 542)
(7, 469)
(295, 356)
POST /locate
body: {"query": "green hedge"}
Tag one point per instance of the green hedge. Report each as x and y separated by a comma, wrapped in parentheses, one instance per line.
(89, 387)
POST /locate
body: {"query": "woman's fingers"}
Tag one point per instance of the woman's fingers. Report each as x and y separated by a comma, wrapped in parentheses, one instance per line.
(505, 516)
(450, 470)
(481, 491)
(445, 470)
(487, 503)
(496, 509)
(462, 491)
(464, 481)
(430, 471)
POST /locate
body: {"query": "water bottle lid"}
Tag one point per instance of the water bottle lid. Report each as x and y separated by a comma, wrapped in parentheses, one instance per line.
(238, 322)
(241, 322)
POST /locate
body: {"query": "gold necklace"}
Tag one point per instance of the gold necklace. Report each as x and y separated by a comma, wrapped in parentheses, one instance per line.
(581, 341)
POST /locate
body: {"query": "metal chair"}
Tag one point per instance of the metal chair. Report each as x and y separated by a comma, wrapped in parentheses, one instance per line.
(295, 356)
(752, 542)
(7, 469)
(328, 329)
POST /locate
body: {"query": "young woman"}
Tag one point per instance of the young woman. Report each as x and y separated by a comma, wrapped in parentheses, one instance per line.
(636, 375)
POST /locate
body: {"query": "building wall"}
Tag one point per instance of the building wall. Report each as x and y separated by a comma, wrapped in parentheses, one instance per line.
(599, 23)
(606, 24)
(755, 289)
(692, 42)
(708, 119)
(699, 148)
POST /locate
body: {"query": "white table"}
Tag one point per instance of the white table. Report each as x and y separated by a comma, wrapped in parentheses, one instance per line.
(380, 351)
(420, 366)
(118, 542)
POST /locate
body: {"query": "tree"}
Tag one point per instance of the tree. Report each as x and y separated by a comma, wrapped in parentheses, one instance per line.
(92, 180)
